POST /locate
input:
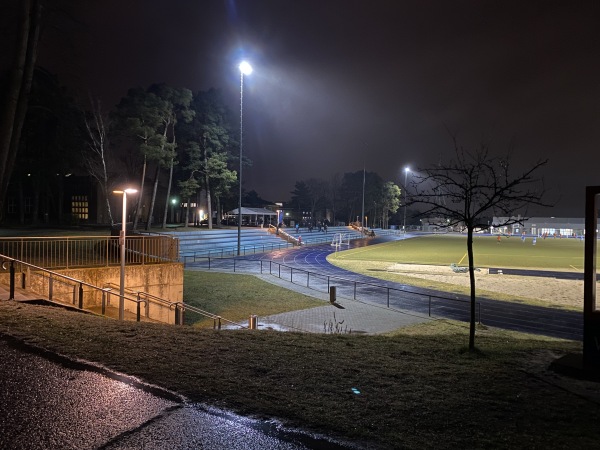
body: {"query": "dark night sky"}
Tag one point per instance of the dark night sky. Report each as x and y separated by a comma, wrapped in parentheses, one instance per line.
(342, 83)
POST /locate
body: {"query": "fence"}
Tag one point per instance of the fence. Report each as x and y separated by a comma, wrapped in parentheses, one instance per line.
(401, 297)
(55, 286)
(224, 252)
(89, 251)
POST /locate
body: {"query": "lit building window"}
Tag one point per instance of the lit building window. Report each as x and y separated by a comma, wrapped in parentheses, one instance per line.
(79, 206)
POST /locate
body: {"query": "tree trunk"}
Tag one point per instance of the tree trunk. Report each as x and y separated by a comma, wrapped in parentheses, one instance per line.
(208, 201)
(21, 204)
(218, 208)
(187, 213)
(19, 86)
(164, 223)
(472, 280)
(138, 209)
(36, 206)
(153, 200)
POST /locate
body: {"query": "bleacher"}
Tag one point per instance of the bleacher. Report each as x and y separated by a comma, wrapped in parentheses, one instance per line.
(195, 244)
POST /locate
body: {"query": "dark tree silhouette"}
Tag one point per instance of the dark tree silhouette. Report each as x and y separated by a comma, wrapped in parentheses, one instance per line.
(14, 100)
(471, 187)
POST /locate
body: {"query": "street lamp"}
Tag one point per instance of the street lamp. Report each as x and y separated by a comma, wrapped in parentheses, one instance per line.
(245, 69)
(122, 248)
(173, 203)
(406, 171)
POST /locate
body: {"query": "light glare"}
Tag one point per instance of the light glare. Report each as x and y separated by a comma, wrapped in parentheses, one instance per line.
(245, 68)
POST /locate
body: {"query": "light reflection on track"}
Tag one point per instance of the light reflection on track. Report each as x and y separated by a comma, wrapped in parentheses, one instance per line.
(295, 262)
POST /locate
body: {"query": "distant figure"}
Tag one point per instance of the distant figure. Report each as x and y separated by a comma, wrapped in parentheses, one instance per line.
(523, 238)
(299, 240)
(297, 227)
(499, 239)
(534, 240)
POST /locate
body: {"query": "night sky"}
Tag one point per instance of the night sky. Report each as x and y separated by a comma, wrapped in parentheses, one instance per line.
(339, 84)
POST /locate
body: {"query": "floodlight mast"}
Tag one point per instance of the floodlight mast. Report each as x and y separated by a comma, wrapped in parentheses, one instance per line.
(245, 69)
(406, 172)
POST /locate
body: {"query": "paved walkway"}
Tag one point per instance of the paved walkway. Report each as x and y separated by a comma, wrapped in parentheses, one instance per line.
(345, 316)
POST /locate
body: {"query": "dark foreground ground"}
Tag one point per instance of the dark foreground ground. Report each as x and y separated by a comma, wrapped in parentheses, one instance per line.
(416, 389)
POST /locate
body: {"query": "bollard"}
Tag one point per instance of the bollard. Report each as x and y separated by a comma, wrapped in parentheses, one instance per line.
(332, 296)
(80, 296)
(11, 295)
(253, 322)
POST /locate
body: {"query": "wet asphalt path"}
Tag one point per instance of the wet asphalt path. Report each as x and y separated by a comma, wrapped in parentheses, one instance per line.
(508, 315)
(51, 402)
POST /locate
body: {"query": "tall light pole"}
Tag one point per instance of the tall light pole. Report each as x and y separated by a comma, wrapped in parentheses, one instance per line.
(245, 69)
(406, 171)
(362, 217)
(122, 248)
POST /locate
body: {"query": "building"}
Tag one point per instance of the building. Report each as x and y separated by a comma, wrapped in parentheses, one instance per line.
(538, 226)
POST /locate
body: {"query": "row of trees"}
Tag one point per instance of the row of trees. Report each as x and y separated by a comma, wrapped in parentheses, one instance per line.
(170, 134)
(343, 196)
(166, 142)
(159, 140)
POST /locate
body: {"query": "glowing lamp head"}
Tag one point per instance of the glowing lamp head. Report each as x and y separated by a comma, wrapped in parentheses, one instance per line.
(245, 68)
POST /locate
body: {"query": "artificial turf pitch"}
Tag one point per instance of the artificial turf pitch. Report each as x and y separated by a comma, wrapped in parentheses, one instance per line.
(564, 254)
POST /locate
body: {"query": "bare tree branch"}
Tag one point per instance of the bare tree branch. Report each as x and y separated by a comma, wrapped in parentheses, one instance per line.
(470, 188)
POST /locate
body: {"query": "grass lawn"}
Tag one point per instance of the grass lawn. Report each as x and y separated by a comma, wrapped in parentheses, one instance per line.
(548, 254)
(235, 297)
(418, 387)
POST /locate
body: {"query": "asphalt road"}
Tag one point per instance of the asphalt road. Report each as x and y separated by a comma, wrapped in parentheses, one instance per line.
(308, 266)
(50, 402)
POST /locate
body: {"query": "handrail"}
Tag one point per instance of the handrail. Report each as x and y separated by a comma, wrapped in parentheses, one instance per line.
(89, 251)
(139, 296)
(231, 251)
(223, 252)
(236, 264)
(51, 275)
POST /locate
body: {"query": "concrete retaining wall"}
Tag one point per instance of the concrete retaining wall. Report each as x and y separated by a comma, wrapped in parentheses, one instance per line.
(160, 280)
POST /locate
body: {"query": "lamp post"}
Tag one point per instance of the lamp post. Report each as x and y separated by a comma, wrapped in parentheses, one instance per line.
(406, 171)
(245, 69)
(173, 203)
(122, 248)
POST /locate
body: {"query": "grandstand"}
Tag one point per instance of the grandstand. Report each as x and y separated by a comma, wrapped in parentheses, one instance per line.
(223, 242)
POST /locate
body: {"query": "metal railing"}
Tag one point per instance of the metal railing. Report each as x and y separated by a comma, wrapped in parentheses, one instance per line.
(224, 252)
(55, 286)
(351, 288)
(89, 251)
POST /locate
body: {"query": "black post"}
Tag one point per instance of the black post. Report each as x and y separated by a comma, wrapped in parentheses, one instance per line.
(80, 295)
(591, 313)
(12, 281)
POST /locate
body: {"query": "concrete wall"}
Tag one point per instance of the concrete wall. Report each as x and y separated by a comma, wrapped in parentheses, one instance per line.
(161, 280)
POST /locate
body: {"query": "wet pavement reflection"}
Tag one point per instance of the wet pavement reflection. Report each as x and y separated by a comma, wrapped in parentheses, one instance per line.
(51, 402)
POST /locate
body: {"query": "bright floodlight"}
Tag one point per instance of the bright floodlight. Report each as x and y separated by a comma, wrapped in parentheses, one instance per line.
(245, 68)
(407, 169)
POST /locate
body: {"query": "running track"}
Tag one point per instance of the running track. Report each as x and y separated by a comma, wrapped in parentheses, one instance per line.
(295, 262)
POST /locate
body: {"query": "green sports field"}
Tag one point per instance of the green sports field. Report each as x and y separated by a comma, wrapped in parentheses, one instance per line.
(510, 252)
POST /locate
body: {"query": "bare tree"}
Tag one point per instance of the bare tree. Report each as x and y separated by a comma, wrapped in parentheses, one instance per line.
(95, 158)
(473, 186)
